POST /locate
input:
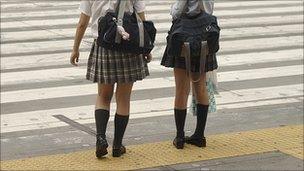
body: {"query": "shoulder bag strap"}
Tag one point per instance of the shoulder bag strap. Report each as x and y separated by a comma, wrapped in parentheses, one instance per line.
(187, 58)
(140, 29)
(203, 58)
(120, 15)
(184, 5)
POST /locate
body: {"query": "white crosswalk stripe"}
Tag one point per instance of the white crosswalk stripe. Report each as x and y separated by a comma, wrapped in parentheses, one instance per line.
(146, 108)
(264, 43)
(90, 89)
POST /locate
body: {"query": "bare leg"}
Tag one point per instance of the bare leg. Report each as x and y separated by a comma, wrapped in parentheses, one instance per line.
(123, 97)
(104, 97)
(182, 85)
(198, 138)
(200, 91)
(102, 114)
(182, 88)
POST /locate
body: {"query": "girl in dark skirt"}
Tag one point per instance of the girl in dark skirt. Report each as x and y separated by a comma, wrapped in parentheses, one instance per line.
(182, 81)
(107, 68)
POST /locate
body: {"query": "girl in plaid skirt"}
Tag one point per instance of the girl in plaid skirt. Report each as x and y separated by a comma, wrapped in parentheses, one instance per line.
(182, 81)
(107, 68)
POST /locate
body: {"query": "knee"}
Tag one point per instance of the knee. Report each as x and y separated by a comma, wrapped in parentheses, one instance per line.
(182, 90)
(105, 96)
(200, 87)
(201, 93)
(123, 92)
(182, 93)
(123, 97)
(181, 97)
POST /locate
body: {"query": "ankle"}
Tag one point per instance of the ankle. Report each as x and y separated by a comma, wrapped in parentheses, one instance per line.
(202, 106)
(180, 134)
(197, 136)
(101, 136)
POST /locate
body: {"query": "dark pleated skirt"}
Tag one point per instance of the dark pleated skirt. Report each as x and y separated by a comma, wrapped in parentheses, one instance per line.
(179, 62)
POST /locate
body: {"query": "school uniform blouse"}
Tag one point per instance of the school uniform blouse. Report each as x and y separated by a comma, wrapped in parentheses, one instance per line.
(194, 7)
(98, 8)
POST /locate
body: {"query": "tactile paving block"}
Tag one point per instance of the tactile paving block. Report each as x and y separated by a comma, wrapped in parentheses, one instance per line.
(287, 139)
(296, 152)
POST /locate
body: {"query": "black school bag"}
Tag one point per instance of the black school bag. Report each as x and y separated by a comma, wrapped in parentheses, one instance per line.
(194, 30)
(203, 27)
(142, 33)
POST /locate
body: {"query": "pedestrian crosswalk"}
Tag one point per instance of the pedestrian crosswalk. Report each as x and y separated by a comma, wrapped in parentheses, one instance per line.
(261, 62)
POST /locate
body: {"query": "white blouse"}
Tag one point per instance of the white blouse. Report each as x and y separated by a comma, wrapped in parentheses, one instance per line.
(98, 8)
(193, 7)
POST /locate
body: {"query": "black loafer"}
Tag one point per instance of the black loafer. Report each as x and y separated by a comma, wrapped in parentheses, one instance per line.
(117, 152)
(101, 147)
(199, 142)
(179, 142)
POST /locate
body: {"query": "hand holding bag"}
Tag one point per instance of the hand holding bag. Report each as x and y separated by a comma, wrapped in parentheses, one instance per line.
(141, 33)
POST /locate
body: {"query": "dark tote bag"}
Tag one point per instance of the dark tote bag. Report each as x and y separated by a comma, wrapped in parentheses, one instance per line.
(203, 27)
(194, 37)
(142, 33)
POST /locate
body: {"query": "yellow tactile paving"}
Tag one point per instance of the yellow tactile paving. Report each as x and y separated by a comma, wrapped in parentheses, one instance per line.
(288, 139)
(296, 152)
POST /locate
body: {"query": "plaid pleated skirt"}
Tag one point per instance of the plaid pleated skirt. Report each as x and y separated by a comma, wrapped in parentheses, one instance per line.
(110, 67)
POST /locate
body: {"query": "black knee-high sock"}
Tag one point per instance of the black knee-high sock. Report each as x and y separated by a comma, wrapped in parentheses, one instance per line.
(180, 117)
(101, 120)
(202, 112)
(120, 123)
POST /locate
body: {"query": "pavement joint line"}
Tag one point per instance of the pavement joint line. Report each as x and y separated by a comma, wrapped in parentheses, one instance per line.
(75, 124)
(158, 154)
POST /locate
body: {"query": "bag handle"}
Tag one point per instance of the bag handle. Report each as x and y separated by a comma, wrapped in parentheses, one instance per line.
(184, 5)
(203, 56)
(204, 53)
(121, 11)
(141, 30)
(120, 16)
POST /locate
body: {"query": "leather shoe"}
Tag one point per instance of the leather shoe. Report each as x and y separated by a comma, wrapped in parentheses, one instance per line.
(117, 152)
(179, 142)
(199, 142)
(101, 147)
